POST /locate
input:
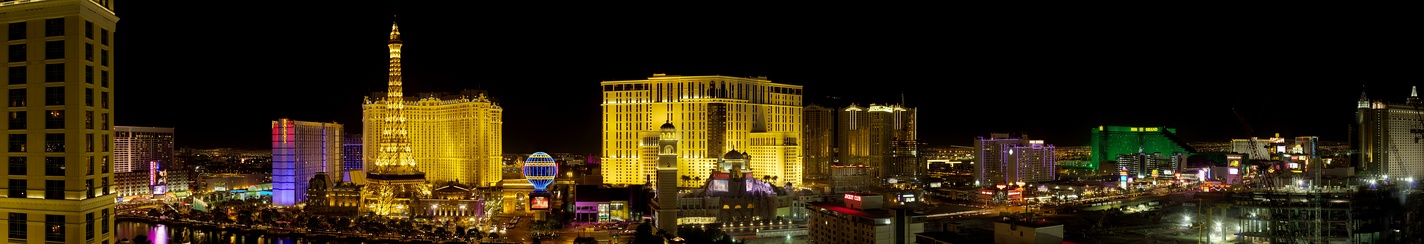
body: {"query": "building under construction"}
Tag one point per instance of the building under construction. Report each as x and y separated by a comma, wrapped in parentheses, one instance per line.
(1325, 209)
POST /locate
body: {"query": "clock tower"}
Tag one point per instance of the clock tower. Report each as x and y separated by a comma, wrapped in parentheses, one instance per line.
(666, 203)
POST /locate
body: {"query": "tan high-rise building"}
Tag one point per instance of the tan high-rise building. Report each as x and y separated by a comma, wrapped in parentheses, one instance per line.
(818, 140)
(453, 136)
(713, 115)
(59, 67)
(869, 136)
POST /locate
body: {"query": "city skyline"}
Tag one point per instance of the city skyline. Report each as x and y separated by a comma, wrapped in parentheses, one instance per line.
(546, 77)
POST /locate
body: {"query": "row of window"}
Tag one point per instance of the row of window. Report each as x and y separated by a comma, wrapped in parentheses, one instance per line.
(54, 166)
(53, 96)
(54, 189)
(54, 119)
(55, 50)
(54, 226)
(54, 142)
(19, 75)
(55, 27)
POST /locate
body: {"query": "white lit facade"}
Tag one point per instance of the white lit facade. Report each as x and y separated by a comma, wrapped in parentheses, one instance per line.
(1390, 138)
(136, 147)
(713, 115)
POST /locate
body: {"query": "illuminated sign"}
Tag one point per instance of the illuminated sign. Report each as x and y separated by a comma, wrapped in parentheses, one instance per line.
(852, 197)
(1231, 171)
(719, 185)
(538, 202)
(1235, 163)
(1294, 165)
(934, 184)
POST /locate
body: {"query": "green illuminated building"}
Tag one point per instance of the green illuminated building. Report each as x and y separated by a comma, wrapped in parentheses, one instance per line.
(1110, 141)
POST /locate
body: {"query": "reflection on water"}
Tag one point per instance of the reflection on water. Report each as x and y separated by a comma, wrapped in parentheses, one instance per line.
(164, 234)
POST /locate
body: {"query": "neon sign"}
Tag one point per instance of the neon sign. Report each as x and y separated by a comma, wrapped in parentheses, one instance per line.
(852, 197)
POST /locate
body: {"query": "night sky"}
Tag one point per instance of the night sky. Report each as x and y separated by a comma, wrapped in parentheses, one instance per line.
(220, 73)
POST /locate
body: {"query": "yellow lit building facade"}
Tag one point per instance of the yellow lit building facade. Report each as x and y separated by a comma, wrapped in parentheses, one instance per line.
(59, 104)
(453, 137)
(713, 115)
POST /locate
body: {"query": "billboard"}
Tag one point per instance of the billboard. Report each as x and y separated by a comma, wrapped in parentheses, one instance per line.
(539, 202)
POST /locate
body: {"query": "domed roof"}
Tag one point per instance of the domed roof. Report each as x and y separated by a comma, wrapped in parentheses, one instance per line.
(733, 155)
(668, 126)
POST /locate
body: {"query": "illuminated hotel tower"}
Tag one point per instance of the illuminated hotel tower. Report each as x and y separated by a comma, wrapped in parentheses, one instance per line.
(300, 150)
(818, 136)
(393, 181)
(872, 136)
(135, 147)
(666, 205)
(713, 115)
(455, 137)
(1390, 138)
(1010, 158)
(60, 105)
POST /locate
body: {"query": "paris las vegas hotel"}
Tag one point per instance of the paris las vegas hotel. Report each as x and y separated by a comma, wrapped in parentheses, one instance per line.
(713, 115)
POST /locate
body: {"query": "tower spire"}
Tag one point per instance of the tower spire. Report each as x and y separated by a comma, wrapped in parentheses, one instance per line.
(395, 155)
(1414, 91)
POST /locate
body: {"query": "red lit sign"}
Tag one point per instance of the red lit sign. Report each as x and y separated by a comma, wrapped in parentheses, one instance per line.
(539, 202)
(852, 197)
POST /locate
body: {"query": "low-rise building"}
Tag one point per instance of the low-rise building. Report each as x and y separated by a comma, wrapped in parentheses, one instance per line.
(862, 218)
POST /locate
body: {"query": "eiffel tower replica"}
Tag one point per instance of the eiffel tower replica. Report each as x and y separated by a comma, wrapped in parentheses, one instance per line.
(393, 183)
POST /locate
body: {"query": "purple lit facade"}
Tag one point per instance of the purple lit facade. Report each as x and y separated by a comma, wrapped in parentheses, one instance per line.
(1009, 158)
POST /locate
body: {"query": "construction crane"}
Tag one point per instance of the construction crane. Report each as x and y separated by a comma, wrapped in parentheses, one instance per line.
(1251, 142)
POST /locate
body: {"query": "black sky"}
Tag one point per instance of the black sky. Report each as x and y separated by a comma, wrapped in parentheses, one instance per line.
(220, 74)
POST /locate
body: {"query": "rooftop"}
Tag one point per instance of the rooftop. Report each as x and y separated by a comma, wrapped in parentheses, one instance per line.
(869, 213)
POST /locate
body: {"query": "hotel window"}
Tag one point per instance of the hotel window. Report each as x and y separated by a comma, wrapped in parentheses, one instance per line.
(18, 75)
(54, 27)
(89, 74)
(17, 142)
(17, 97)
(106, 142)
(54, 142)
(54, 227)
(88, 193)
(54, 119)
(104, 96)
(104, 78)
(18, 31)
(18, 226)
(89, 145)
(18, 189)
(54, 166)
(104, 183)
(17, 120)
(89, 30)
(89, 119)
(104, 166)
(89, 97)
(89, 52)
(18, 166)
(104, 58)
(104, 125)
(54, 72)
(54, 49)
(105, 212)
(54, 189)
(89, 219)
(54, 95)
(90, 160)
(17, 52)
(104, 37)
